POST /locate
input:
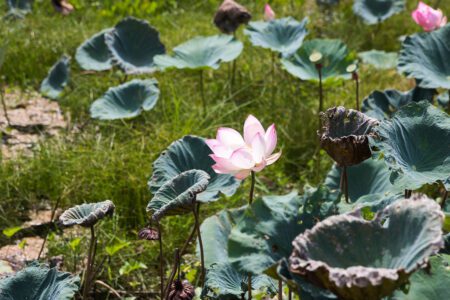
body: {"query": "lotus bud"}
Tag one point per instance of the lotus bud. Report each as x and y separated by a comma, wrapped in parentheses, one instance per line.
(181, 290)
(230, 16)
(428, 18)
(149, 234)
(269, 14)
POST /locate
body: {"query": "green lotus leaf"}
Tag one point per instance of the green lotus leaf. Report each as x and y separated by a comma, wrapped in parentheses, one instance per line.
(127, 100)
(370, 204)
(189, 153)
(284, 35)
(415, 144)
(430, 285)
(424, 56)
(369, 177)
(88, 214)
(58, 77)
(202, 52)
(376, 11)
(359, 259)
(133, 44)
(443, 100)
(379, 59)
(39, 283)
(383, 104)
(21, 6)
(93, 54)
(335, 59)
(178, 196)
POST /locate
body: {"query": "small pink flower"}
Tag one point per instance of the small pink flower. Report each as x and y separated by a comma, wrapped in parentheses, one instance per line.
(269, 14)
(430, 19)
(239, 155)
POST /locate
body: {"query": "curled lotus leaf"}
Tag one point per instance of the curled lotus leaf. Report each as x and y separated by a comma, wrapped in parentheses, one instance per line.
(284, 35)
(133, 44)
(20, 6)
(359, 259)
(57, 78)
(202, 52)
(345, 135)
(376, 11)
(93, 54)
(230, 16)
(88, 214)
(127, 100)
(379, 59)
(424, 56)
(188, 153)
(178, 196)
(383, 104)
(334, 60)
(415, 144)
(39, 283)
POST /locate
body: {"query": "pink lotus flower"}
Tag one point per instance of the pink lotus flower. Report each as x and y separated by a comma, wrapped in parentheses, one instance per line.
(430, 19)
(239, 155)
(269, 14)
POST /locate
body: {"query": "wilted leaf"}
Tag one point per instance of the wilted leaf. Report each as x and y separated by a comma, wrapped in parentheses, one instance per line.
(87, 215)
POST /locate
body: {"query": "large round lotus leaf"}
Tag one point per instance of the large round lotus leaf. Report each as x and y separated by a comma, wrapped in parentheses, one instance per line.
(335, 60)
(443, 100)
(178, 196)
(39, 283)
(189, 153)
(369, 177)
(359, 259)
(370, 204)
(415, 144)
(202, 52)
(133, 44)
(57, 78)
(424, 56)
(87, 215)
(126, 100)
(280, 35)
(383, 104)
(225, 283)
(379, 59)
(93, 54)
(24, 6)
(376, 11)
(432, 284)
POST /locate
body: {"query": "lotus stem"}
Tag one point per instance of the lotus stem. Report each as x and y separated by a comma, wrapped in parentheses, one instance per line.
(356, 79)
(319, 70)
(55, 207)
(290, 294)
(408, 194)
(176, 266)
(200, 242)
(444, 199)
(250, 201)
(90, 262)
(161, 260)
(188, 241)
(202, 92)
(344, 183)
(280, 289)
(5, 110)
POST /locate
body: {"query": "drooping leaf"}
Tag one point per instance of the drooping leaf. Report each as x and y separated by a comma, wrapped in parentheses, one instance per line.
(383, 104)
(335, 59)
(284, 35)
(202, 52)
(376, 11)
(415, 144)
(359, 259)
(379, 59)
(93, 54)
(178, 195)
(39, 283)
(127, 100)
(188, 153)
(133, 44)
(88, 214)
(424, 56)
(58, 77)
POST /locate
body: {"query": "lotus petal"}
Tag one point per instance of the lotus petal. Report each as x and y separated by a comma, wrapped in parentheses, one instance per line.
(93, 54)
(87, 215)
(376, 11)
(379, 59)
(335, 59)
(415, 144)
(284, 35)
(58, 77)
(202, 52)
(383, 104)
(189, 153)
(424, 56)
(345, 135)
(133, 44)
(359, 259)
(127, 100)
(443, 100)
(39, 283)
(178, 196)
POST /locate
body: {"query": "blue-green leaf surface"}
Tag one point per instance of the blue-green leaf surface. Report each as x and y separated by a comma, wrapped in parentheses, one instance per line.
(376, 11)
(88, 214)
(379, 59)
(93, 54)
(57, 78)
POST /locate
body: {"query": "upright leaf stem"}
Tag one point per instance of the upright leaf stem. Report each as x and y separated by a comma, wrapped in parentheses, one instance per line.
(161, 261)
(202, 92)
(90, 263)
(356, 79)
(250, 201)
(200, 242)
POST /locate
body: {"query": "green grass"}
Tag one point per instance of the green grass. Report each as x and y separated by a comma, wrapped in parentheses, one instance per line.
(113, 160)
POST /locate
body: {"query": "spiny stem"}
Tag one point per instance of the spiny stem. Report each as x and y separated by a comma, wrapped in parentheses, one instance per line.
(344, 183)
(280, 289)
(200, 243)
(172, 274)
(202, 91)
(161, 260)
(87, 274)
(250, 201)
